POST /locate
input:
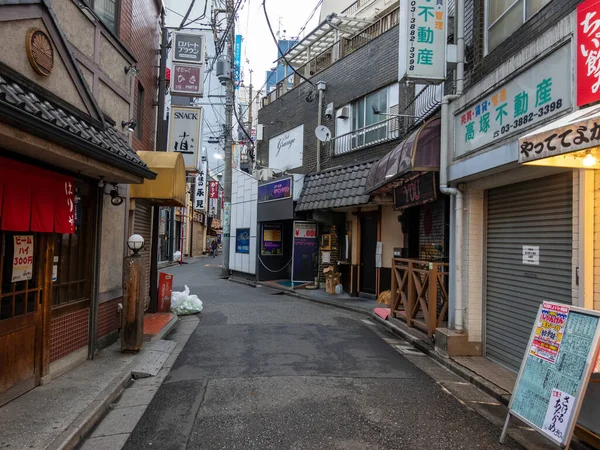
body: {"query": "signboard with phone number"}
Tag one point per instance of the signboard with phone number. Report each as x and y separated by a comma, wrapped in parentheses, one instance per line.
(555, 371)
(540, 92)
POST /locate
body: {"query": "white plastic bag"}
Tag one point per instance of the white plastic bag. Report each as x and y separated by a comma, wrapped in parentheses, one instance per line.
(183, 304)
(177, 256)
(339, 289)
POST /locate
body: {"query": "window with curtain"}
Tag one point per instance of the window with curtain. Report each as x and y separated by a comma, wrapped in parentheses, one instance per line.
(505, 17)
(73, 253)
(107, 11)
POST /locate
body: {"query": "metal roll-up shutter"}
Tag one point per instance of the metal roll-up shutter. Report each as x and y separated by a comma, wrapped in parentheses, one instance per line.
(142, 225)
(533, 213)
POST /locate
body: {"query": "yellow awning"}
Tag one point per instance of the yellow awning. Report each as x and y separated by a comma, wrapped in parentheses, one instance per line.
(169, 187)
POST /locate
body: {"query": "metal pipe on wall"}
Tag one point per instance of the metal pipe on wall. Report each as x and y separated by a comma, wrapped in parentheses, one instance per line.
(456, 262)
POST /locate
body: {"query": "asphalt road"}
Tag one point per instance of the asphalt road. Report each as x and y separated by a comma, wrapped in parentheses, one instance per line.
(265, 371)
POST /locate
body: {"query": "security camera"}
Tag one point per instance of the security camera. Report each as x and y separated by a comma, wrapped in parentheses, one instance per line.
(328, 116)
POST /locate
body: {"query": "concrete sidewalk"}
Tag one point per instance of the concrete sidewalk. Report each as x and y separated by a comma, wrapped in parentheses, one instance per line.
(57, 415)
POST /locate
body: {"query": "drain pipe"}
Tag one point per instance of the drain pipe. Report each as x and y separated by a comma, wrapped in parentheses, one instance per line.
(321, 86)
(444, 150)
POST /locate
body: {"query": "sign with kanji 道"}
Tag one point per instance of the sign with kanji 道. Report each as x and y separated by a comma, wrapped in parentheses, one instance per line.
(588, 52)
(184, 133)
(555, 371)
(423, 40)
(539, 93)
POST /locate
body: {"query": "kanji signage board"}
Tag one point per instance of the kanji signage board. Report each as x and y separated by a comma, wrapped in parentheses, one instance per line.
(537, 94)
(188, 47)
(423, 40)
(556, 370)
(588, 52)
(22, 268)
(200, 188)
(184, 134)
(213, 197)
(187, 79)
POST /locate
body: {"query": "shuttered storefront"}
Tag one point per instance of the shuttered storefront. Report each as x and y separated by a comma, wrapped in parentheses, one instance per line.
(534, 213)
(142, 225)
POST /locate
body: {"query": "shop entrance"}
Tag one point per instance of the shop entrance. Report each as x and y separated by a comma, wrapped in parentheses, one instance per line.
(368, 249)
(20, 313)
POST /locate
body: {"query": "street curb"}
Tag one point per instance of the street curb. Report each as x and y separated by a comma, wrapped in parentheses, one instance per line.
(317, 300)
(478, 381)
(96, 410)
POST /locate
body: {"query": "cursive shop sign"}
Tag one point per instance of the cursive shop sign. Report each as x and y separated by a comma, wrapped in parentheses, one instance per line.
(286, 150)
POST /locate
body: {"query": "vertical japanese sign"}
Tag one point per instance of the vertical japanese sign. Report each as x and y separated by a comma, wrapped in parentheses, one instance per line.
(187, 74)
(556, 370)
(541, 92)
(423, 40)
(549, 332)
(237, 61)
(588, 52)
(23, 259)
(213, 197)
(200, 188)
(184, 133)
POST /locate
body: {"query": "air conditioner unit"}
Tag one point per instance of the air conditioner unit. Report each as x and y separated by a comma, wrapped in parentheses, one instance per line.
(343, 113)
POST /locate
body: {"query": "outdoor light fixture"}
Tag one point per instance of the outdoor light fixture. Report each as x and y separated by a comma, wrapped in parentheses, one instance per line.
(131, 71)
(135, 243)
(130, 125)
(115, 198)
(589, 160)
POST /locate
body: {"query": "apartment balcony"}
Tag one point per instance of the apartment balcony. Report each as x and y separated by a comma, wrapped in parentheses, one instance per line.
(331, 41)
(377, 133)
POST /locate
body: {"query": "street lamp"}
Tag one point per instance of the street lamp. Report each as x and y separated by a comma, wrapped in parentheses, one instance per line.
(135, 243)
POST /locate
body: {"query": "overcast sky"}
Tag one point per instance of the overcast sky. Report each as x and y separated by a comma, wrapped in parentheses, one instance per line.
(258, 46)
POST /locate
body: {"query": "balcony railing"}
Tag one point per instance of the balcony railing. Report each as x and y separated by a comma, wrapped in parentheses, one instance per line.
(386, 130)
(335, 52)
(420, 293)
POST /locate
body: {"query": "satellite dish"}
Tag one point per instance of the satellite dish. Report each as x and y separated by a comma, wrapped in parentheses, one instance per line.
(323, 134)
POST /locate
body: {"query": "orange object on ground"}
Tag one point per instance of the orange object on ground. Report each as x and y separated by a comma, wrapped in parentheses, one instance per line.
(153, 323)
(165, 288)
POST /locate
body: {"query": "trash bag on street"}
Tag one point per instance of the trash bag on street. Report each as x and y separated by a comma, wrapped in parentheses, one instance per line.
(177, 256)
(184, 304)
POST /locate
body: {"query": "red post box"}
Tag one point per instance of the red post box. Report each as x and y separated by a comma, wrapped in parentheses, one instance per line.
(165, 287)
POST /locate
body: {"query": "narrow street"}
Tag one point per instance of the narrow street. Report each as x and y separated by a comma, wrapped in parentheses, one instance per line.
(265, 371)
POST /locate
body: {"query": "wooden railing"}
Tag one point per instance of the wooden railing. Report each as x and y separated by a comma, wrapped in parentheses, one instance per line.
(420, 293)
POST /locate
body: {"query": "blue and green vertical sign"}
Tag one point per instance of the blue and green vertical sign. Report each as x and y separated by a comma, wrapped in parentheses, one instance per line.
(237, 69)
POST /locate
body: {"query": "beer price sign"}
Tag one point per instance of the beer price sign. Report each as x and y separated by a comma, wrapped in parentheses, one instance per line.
(22, 259)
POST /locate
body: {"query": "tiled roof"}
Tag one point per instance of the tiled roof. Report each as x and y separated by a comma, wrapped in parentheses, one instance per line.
(106, 140)
(335, 188)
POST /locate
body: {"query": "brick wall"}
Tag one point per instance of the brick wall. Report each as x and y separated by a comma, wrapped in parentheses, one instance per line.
(68, 333)
(109, 319)
(364, 71)
(139, 30)
(479, 65)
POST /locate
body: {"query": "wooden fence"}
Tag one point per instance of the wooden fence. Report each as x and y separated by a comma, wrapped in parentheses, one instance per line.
(420, 293)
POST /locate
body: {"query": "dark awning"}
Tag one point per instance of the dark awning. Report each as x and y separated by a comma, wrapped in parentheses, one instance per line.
(337, 188)
(420, 152)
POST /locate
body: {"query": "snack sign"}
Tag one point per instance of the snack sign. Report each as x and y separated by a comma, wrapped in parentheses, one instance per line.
(23, 259)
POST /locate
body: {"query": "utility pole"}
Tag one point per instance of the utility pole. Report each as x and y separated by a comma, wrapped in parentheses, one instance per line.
(250, 106)
(228, 139)
(161, 145)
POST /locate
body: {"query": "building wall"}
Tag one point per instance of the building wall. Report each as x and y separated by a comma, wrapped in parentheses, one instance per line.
(140, 31)
(366, 70)
(68, 333)
(391, 234)
(244, 194)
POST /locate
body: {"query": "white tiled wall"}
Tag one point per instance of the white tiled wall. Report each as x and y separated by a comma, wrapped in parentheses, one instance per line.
(244, 193)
